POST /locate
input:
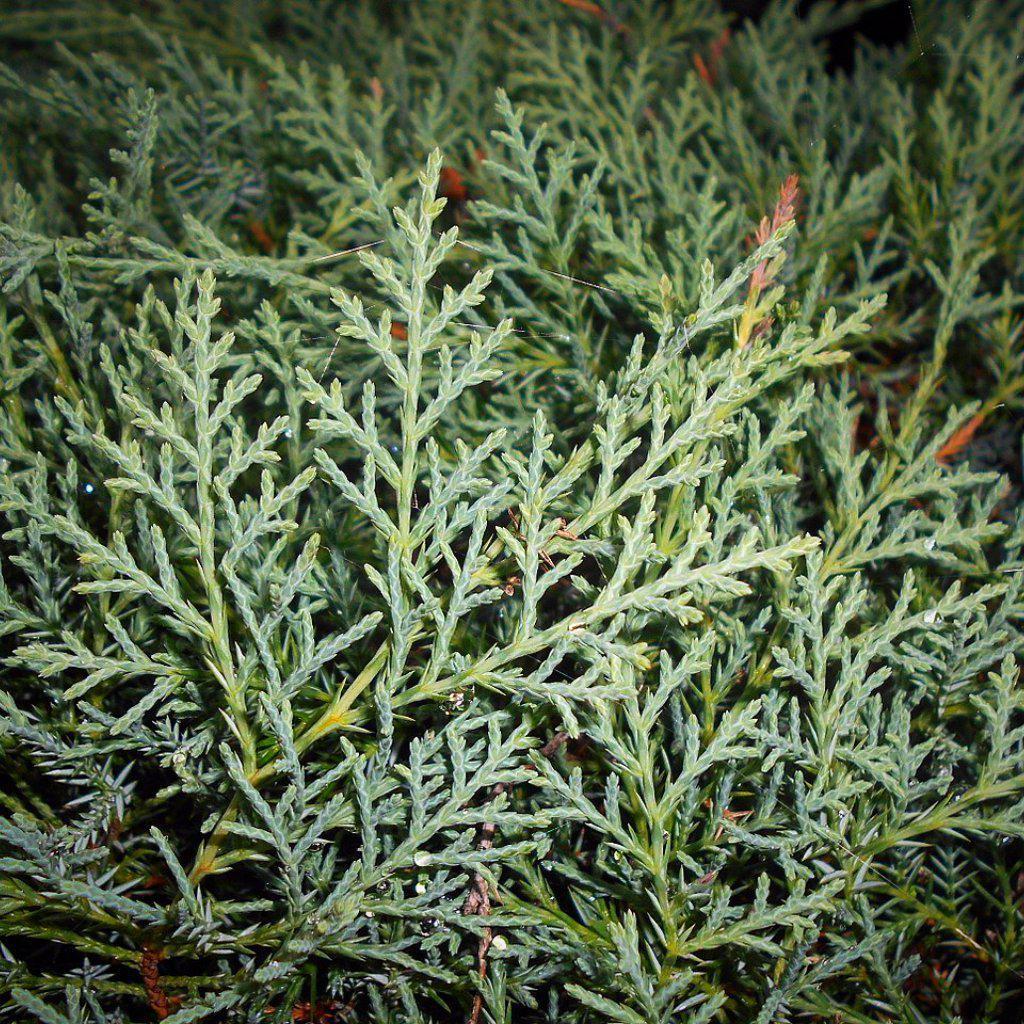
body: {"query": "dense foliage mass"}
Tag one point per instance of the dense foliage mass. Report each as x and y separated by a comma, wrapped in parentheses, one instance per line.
(510, 512)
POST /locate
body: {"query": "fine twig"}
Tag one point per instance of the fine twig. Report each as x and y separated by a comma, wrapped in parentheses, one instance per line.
(478, 900)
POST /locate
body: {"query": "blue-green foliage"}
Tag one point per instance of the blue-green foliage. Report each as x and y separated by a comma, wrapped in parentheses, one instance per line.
(441, 587)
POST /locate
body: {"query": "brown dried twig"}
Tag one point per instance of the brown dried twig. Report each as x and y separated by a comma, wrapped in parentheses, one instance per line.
(160, 1002)
(478, 899)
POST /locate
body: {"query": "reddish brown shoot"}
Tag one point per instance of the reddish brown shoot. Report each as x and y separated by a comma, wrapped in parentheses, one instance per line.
(755, 320)
(959, 440)
(160, 1003)
(784, 213)
(598, 12)
(708, 70)
(452, 186)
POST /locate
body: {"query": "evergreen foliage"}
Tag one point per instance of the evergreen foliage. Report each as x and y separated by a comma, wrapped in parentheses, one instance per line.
(574, 578)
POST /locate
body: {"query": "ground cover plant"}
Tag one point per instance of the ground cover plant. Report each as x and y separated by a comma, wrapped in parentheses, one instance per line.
(510, 513)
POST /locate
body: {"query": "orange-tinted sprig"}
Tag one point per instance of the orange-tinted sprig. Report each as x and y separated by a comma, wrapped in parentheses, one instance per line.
(755, 320)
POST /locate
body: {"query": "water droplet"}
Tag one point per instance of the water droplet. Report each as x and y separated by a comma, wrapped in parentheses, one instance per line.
(499, 943)
(929, 544)
(368, 913)
(88, 488)
(931, 616)
(288, 432)
(420, 888)
(422, 859)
